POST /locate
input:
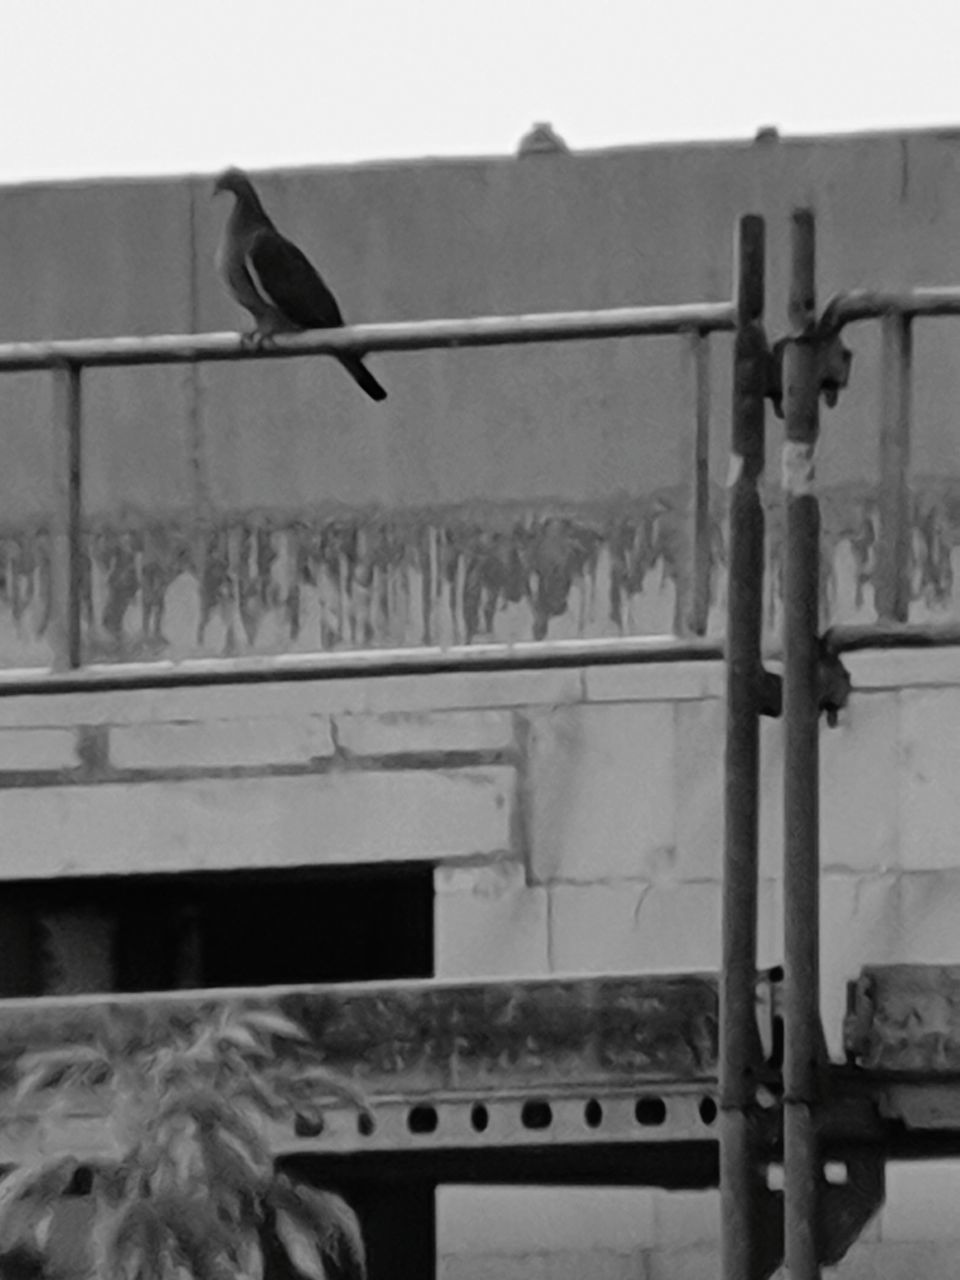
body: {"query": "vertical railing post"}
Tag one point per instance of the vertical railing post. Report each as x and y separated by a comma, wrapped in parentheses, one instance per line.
(65, 551)
(893, 542)
(801, 873)
(739, 1042)
(699, 349)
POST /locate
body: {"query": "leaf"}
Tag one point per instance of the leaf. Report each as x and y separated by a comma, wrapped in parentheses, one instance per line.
(325, 1218)
(314, 1079)
(301, 1245)
(42, 1184)
(271, 1023)
(70, 1066)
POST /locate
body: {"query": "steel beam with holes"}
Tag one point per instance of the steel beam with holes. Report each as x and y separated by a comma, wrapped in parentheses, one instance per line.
(448, 1066)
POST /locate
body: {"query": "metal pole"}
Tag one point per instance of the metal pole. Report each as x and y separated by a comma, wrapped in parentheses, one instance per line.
(739, 1043)
(801, 873)
(65, 550)
(696, 620)
(893, 543)
(412, 335)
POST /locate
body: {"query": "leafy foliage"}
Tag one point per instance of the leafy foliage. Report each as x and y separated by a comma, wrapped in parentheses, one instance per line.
(191, 1192)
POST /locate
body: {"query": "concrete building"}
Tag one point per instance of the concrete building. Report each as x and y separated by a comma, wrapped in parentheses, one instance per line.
(562, 821)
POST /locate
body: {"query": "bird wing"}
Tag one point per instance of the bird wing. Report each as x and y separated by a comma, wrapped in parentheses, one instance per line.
(287, 281)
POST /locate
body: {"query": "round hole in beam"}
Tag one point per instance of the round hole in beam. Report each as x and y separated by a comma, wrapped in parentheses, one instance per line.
(365, 1124)
(593, 1114)
(308, 1126)
(422, 1119)
(536, 1114)
(650, 1111)
(708, 1110)
(479, 1117)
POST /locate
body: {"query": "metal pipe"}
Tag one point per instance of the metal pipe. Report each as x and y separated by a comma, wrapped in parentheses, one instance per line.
(894, 540)
(65, 550)
(854, 637)
(801, 872)
(363, 664)
(868, 304)
(739, 1040)
(417, 335)
(696, 620)
(373, 664)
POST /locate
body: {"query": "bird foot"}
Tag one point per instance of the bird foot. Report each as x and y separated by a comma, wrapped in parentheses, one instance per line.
(256, 340)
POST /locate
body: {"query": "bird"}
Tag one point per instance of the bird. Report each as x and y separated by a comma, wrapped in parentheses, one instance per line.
(274, 280)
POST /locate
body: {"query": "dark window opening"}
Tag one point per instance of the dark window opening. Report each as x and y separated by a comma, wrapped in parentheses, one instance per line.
(223, 929)
(156, 933)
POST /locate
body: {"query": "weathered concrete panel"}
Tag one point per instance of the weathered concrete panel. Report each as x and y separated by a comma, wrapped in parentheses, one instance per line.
(390, 734)
(917, 1194)
(600, 785)
(216, 744)
(210, 824)
(859, 786)
(899, 1260)
(29, 749)
(929, 795)
(83, 260)
(481, 1220)
(489, 921)
(633, 928)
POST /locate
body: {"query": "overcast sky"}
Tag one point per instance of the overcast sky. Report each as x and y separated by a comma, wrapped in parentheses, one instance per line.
(108, 87)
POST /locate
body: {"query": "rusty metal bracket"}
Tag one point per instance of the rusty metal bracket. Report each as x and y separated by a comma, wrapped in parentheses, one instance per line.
(835, 686)
(834, 361)
(834, 682)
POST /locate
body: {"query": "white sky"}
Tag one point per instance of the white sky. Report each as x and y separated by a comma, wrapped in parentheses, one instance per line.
(104, 87)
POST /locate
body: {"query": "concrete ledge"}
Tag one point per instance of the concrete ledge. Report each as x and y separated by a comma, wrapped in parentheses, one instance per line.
(34, 749)
(654, 682)
(221, 743)
(422, 732)
(223, 823)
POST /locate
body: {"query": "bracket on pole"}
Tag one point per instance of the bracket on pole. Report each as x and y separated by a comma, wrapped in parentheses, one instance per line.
(834, 681)
(833, 374)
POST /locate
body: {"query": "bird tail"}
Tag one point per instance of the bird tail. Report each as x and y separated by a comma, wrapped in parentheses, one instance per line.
(363, 377)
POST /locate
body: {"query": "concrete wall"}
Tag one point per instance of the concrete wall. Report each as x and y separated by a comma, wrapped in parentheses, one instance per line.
(508, 494)
(574, 819)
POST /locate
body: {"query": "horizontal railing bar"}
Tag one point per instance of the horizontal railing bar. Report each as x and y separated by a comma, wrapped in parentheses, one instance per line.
(365, 664)
(851, 637)
(383, 663)
(416, 335)
(868, 304)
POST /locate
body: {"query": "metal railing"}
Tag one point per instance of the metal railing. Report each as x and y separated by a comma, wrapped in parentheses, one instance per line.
(896, 313)
(66, 361)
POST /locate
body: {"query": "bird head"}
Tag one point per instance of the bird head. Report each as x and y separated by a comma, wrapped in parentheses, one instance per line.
(235, 181)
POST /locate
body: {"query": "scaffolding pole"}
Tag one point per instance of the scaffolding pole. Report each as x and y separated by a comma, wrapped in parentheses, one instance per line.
(801, 872)
(739, 1043)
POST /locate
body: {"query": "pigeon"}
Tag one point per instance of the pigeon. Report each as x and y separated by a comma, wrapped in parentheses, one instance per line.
(274, 280)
